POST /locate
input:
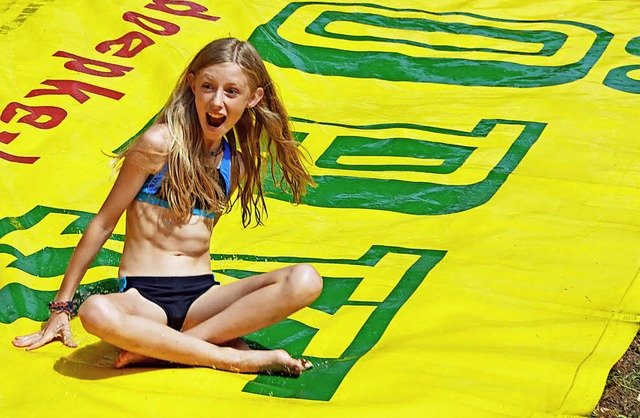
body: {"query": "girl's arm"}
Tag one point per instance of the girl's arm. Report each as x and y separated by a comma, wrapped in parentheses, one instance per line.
(145, 157)
(134, 171)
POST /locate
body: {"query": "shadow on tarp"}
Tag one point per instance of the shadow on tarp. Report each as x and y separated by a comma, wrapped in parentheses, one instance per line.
(97, 361)
(94, 362)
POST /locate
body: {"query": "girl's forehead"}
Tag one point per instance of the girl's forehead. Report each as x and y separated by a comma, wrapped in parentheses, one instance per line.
(227, 72)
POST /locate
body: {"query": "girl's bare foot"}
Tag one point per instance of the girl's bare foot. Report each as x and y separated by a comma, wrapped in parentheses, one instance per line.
(251, 361)
(238, 344)
(127, 358)
(280, 362)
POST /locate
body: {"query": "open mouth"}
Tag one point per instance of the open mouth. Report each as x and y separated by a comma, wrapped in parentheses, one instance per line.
(215, 120)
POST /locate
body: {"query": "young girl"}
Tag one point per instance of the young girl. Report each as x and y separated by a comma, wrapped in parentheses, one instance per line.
(174, 183)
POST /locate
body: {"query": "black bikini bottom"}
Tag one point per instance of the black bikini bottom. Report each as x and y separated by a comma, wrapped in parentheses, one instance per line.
(174, 295)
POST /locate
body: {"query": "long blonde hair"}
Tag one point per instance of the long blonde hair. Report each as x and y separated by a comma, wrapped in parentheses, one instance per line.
(264, 127)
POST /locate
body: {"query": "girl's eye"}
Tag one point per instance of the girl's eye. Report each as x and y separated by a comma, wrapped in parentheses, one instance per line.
(232, 91)
(207, 86)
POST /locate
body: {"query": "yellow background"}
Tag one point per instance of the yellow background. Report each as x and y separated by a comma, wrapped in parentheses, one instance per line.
(535, 300)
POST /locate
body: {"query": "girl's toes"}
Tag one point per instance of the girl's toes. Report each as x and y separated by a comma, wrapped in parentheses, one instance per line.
(306, 364)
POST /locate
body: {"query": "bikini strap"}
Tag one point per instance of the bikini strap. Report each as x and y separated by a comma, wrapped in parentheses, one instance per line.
(225, 166)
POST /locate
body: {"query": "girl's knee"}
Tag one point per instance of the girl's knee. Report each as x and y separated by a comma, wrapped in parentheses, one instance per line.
(307, 281)
(96, 314)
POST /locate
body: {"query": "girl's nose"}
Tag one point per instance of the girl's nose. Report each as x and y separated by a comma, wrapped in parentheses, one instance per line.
(217, 99)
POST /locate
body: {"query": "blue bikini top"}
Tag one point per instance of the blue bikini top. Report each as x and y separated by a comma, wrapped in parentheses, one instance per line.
(149, 191)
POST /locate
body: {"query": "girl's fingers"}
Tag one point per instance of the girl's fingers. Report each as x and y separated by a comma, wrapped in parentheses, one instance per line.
(32, 335)
(37, 344)
(25, 340)
(46, 337)
(67, 338)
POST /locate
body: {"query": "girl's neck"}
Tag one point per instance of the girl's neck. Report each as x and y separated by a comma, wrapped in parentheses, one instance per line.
(214, 147)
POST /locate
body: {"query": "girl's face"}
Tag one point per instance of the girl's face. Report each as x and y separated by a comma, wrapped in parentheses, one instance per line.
(222, 93)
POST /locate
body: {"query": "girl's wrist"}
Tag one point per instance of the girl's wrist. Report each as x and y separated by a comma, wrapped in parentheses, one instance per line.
(68, 307)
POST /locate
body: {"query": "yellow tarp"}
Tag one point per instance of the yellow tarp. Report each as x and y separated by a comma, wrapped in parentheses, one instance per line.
(475, 221)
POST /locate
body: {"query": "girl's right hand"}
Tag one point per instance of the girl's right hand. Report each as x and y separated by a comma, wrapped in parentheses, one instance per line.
(56, 328)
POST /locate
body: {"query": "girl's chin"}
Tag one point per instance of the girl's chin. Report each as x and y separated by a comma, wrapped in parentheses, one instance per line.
(214, 134)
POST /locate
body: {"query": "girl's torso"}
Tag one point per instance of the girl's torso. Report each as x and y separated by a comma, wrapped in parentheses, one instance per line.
(157, 246)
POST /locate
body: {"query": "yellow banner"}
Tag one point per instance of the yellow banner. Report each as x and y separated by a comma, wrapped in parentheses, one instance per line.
(476, 216)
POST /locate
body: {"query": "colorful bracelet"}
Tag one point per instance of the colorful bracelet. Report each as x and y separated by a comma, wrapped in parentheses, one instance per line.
(66, 307)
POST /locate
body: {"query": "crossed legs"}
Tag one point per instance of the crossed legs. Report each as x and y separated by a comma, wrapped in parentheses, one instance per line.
(220, 316)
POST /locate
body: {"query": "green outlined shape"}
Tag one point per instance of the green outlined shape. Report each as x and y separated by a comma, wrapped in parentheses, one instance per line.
(51, 261)
(551, 41)
(618, 78)
(412, 197)
(20, 301)
(452, 156)
(17, 300)
(395, 66)
(322, 382)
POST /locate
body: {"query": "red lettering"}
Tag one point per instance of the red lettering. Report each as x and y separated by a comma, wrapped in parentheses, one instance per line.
(75, 89)
(54, 114)
(192, 9)
(7, 137)
(166, 28)
(16, 159)
(81, 65)
(127, 40)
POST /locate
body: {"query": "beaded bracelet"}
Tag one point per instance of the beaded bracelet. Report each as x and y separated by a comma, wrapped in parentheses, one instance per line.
(66, 307)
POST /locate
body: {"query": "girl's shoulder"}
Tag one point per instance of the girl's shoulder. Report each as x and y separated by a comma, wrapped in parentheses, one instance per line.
(151, 149)
(156, 139)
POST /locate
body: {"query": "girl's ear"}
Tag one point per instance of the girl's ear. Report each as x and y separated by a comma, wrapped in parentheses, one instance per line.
(255, 97)
(191, 79)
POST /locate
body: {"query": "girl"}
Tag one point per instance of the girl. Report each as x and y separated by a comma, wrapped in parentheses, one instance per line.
(174, 183)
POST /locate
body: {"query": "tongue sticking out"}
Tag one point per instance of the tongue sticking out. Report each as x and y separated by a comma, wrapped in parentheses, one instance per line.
(215, 121)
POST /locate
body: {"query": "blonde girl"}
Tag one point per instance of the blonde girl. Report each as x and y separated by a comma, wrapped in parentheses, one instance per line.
(174, 182)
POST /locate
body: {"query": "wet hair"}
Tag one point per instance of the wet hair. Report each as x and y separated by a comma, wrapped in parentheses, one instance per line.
(262, 137)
